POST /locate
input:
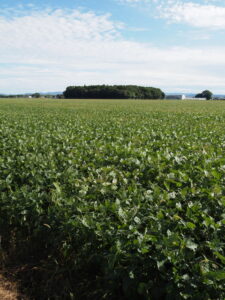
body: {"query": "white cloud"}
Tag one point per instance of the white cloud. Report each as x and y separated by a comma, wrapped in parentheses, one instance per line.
(132, 1)
(52, 49)
(206, 14)
(139, 1)
(135, 3)
(194, 14)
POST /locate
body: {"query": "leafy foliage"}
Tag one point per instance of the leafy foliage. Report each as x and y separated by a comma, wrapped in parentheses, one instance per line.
(36, 95)
(205, 94)
(112, 92)
(113, 199)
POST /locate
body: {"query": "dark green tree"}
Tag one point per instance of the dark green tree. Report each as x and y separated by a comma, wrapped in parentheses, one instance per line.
(36, 95)
(205, 94)
(113, 92)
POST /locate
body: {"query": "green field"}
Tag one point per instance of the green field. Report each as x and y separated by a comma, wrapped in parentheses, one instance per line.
(114, 199)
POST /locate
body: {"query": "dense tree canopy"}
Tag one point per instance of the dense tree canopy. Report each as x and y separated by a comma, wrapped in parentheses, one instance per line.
(36, 95)
(205, 94)
(112, 92)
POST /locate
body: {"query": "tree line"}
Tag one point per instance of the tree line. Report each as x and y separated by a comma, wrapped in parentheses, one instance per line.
(205, 94)
(35, 95)
(113, 92)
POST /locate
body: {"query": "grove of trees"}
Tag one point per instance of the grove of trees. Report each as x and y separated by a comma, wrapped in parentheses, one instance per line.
(113, 92)
(205, 94)
(36, 95)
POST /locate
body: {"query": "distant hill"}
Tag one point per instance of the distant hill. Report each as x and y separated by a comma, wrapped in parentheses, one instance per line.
(60, 93)
(186, 94)
(28, 94)
(51, 93)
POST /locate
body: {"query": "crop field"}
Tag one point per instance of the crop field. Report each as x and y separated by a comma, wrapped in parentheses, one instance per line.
(112, 199)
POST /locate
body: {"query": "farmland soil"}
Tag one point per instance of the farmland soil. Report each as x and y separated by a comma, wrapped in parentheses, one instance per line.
(9, 288)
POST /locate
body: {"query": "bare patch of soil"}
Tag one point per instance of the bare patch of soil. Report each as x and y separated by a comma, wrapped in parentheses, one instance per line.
(9, 289)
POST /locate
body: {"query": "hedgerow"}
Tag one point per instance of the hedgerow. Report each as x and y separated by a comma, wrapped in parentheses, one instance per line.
(113, 200)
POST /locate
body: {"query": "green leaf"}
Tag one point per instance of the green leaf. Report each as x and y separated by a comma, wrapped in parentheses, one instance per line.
(57, 187)
(190, 225)
(220, 256)
(218, 275)
(191, 245)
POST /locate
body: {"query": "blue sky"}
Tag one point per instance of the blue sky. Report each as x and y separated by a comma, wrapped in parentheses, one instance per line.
(177, 45)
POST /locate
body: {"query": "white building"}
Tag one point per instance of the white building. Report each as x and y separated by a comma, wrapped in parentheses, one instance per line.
(189, 98)
(181, 97)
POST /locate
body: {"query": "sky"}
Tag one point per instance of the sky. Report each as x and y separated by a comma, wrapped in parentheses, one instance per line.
(176, 45)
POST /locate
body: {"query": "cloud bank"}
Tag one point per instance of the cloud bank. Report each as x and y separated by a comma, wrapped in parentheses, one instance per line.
(51, 49)
(201, 13)
(198, 15)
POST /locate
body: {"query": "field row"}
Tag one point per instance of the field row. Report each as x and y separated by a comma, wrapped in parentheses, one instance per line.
(115, 199)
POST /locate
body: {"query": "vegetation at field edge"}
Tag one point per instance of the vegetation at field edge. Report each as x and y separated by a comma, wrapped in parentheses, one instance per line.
(111, 199)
